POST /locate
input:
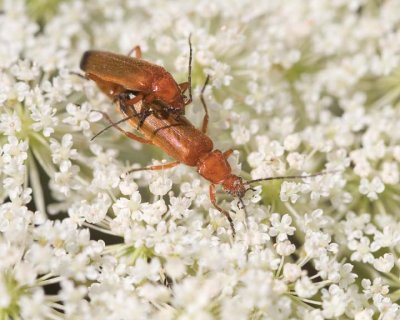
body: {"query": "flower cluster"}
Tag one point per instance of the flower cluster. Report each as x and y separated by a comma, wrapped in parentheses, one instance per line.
(296, 88)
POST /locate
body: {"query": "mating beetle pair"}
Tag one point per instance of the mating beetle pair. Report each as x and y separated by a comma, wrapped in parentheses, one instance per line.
(159, 118)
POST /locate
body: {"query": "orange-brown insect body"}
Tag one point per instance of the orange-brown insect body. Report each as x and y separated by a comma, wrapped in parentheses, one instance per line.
(188, 145)
(175, 135)
(115, 74)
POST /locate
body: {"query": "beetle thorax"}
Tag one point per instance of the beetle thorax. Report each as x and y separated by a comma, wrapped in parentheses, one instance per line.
(214, 167)
(167, 90)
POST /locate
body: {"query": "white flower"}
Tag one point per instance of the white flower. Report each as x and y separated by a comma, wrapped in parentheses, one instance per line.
(296, 160)
(21, 91)
(81, 116)
(317, 186)
(25, 70)
(305, 288)
(355, 225)
(292, 142)
(160, 186)
(14, 217)
(371, 188)
(220, 74)
(364, 315)
(390, 236)
(127, 187)
(16, 174)
(275, 150)
(58, 88)
(179, 207)
(281, 227)
(356, 118)
(93, 212)
(285, 248)
(334, 301)
(317, 243)
(34, 306)
(338, 160)
(396, 153)
(175, 268)
(376, 288)
(143, 270)
(315, 221)
(291, 272)
(44, 117)
(10, 123)
(374, 150)
(131, 208)
(25, 274)
(197, 191)
(240, 134)
(255, 158)
(384, 263)
(362, 250)
(39, 256)
(290, 191)
(362, 167)
(14, 152)
(346, 276)
(313, 314)
(65, 180)
(152, 213)
(62, 152)
(390, 173)
(386, 307)
(72, 297)
(154, 293)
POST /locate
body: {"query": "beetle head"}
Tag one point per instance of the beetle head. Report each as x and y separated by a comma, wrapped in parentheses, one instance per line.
(235, 186)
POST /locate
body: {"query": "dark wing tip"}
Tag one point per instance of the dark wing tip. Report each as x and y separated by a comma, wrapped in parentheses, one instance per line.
(84, 60)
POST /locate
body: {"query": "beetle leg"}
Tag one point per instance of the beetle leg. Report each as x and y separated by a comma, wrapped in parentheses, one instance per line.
(138, 52)
(226, 214)
(148, 99)
(183, 86)
(83, 76)
(144, 112)
(142, 116)
(205, 119)
(227, 153)
(123, 96)
(164, 166)
(127, 101)
(130, 135)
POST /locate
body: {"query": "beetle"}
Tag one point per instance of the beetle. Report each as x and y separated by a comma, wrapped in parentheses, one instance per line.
(188, 145)
(120, 76)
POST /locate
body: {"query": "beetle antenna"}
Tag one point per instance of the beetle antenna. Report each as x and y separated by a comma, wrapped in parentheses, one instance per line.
(112, 124)
(203, 102)
(246, 216)
(190, 67)
(242, 203)
(294, 177)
